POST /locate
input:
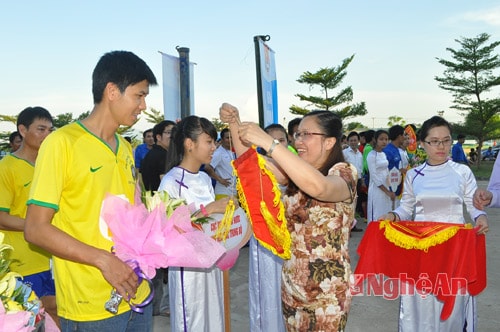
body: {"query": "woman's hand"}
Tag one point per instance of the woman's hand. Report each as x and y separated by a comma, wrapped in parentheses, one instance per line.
(219, 206)
(389, 193)
(482, 198)
(250, 133)
(482, 224)
(229, 114)
(391, 216)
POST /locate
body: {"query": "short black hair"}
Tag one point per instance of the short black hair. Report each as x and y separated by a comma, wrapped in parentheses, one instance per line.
(13, 136)
(30, 114)
(223, 131)
(160, 127)
(145, 132)
(293, 123)
(122, 68)
(353, 133)
(369, 134)
(275, 126)
(396, 131)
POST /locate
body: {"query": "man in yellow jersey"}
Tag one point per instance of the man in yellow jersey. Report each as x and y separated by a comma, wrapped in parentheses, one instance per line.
(77, 166)
(16, 175)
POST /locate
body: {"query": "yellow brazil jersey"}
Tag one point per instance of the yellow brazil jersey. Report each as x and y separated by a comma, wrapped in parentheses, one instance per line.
(74, 171)
(15, 181)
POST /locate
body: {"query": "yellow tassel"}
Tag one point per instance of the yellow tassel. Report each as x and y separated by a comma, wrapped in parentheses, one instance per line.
(280, 235)
(406, 241)
(225, 223)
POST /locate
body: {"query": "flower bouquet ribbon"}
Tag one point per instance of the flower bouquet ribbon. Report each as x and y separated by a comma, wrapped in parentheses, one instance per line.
(431, 256)
(260, 196)
(113, 303)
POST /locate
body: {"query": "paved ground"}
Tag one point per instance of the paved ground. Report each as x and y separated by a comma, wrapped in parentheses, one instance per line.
(372, 313)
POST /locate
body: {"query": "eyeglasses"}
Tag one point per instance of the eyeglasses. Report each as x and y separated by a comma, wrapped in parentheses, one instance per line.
(436, 142)
(305, 134)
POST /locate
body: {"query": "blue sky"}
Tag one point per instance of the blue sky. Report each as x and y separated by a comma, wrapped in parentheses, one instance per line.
(49, 49)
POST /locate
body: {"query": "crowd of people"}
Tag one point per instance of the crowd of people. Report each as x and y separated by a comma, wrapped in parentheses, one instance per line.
(52, 188)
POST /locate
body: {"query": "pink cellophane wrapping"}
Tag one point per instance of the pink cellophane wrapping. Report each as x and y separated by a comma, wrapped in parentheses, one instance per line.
(229, 259)
(153, 240)
(15, 321)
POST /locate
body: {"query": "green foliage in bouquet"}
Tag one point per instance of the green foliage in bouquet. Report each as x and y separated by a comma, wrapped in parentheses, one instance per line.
(151, 199)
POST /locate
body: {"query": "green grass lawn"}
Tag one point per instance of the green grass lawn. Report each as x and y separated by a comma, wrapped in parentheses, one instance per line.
(483, 171)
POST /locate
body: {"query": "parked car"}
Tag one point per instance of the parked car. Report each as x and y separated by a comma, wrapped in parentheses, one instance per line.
(485, 155)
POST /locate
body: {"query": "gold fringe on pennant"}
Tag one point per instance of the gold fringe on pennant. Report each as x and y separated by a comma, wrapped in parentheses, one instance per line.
(225, 224)
(279, 234)
(406, 241)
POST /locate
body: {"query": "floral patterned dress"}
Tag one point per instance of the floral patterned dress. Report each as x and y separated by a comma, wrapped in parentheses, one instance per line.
(315, 281)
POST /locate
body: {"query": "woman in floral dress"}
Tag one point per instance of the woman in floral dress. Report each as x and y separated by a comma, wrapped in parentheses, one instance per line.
(319, 202)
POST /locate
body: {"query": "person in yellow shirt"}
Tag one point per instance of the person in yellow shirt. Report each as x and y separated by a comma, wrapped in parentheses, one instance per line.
(16, 174)
(77, 166)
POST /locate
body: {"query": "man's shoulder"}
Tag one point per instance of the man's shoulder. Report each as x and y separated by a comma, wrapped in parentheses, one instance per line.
(68, 135)
(391, 149)
(141, 147)
(159, 149)
(8, 159)
(218, 153)
(12, 161)
(155, 153)
(68, 131)
(220, 149)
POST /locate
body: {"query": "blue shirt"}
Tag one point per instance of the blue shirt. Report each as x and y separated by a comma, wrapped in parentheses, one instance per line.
(458, 154)
(140, 152)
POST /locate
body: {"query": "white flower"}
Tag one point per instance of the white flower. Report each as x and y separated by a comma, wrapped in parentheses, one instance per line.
(153, 199)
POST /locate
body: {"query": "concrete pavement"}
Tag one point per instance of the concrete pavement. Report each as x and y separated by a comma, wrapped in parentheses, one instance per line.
(369, 313)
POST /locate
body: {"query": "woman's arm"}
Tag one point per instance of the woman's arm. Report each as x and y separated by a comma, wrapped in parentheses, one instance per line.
(229, 114)
(305, 176)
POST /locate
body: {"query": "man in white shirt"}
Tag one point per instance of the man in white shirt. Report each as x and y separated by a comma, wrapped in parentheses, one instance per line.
(353, 156)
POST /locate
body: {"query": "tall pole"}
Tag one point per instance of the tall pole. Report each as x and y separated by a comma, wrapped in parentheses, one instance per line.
(184, 83)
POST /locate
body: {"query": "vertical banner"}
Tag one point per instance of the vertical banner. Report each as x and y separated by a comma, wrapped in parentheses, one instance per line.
(267, 88)
(172, 89)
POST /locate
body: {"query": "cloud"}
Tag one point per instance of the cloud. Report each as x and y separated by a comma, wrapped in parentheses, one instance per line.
(489, 16)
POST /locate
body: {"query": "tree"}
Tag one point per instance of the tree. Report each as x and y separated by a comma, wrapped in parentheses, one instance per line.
(329, 79)
(4, 136)
(355, 125)
(219, 125)
(62, 119)
(154, 116)
(59, 121)
(83, 115)
(396, 120)
(468, 77)
(8, 118)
